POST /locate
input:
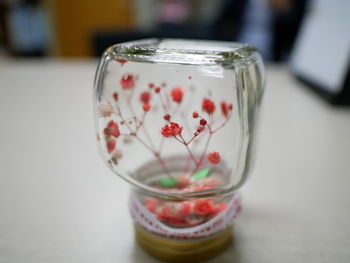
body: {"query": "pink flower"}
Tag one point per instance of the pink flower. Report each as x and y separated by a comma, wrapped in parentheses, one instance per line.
(208, 106)
(177, 94)
(105, 108)
(172, 130)
(214, 157)
(116, 155)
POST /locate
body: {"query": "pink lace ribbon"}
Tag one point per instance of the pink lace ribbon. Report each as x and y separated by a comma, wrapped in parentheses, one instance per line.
(149, 221)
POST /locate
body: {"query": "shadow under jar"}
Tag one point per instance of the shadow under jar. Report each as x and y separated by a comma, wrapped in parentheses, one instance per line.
(176, 119)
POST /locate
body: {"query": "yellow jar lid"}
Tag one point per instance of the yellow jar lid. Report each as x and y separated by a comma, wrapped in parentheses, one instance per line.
(171, 250)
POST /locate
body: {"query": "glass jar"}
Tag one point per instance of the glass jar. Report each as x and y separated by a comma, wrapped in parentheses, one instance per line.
(176, 119)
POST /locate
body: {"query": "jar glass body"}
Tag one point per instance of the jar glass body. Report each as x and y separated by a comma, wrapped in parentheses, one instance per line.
(176, 119)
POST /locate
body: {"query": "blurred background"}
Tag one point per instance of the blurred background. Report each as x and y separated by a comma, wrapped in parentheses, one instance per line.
(58, 201)
(82, 28)
(301, 32)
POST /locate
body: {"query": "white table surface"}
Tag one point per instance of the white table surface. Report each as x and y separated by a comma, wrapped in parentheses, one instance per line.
(60, 203)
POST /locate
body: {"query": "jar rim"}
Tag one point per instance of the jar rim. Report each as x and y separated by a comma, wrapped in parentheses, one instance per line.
(182, 51)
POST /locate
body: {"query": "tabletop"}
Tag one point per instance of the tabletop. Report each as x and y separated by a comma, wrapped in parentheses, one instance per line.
(60, 203)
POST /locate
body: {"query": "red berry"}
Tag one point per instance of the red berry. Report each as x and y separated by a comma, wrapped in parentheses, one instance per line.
(115, 96)
(208, 106)
(195, 114)
(111, 144)
(127, 81)
(146, 106)
(106, 131)
(224, 108)
(145, 96)
(214, 157)
(157, 90)
(202, 122)
(177, 94)
(200, 129)
(167, 117)
(113, 128)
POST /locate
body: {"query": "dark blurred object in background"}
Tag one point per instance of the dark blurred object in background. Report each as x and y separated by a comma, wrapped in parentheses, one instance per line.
(287, 18)
(24, 24)
(87, 27)
(270, 25)
(321, 57)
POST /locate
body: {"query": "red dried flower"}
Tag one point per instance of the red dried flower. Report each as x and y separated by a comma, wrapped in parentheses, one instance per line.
(165, 213)
(151, 204)
(195, 114)
(202, 122)
(145, 96)
(146, 106)
(224, 108)
(157, 90)
(121, 61)
(115, 96)
(177, 94)
(172, 130)
(111, 143)
(204, 207)
(208, 106)
(200, 129)
(183, 181)
(112, 129)
(127, 81)
(105, 108)
(230, 107)
(220, 207)
(214, 157)
(185, 209)
(151, 85)
(167, 117)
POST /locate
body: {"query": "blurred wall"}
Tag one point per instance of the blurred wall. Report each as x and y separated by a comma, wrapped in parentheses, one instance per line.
(75, 22)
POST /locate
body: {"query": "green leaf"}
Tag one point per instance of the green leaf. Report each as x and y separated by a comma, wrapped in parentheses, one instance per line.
(201, 174)
(167, 182)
